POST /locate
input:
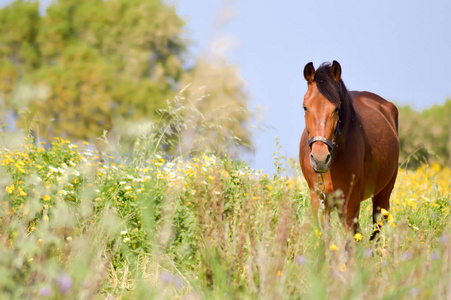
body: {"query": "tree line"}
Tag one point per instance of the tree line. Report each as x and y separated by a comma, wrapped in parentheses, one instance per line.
(425, 136)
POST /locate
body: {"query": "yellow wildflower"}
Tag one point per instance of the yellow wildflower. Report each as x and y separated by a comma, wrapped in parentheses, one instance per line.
(391, 221)
(46, 198)
(436, 167)
(22, 192)
(358, 236)
(10, 189)
(318, 233)
(333, 247)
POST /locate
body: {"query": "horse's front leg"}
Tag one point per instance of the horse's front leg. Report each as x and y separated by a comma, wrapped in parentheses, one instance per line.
(320, 211)
(349, 214)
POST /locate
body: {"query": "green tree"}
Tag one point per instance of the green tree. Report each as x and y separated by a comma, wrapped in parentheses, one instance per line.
(437, 127)
(413, 150)
(101, 65)
(101, 59)
(425, 136)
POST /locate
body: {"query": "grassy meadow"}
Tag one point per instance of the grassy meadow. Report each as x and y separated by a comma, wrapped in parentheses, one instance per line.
(77, 223)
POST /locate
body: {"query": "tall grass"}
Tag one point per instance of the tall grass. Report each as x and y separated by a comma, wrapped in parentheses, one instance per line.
(75, 222)
(78, 223)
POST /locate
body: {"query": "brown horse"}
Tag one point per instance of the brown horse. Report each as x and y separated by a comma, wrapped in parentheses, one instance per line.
(350, 143)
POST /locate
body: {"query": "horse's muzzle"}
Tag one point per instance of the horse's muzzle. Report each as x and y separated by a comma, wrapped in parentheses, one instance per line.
(320, 162)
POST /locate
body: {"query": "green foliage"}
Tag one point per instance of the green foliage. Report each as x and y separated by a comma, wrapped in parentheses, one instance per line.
(425, 136)
(101, 60)
(91, 66)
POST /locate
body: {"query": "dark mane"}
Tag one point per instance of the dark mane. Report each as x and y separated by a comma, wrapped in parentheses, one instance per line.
(327, 86)
(337, 93)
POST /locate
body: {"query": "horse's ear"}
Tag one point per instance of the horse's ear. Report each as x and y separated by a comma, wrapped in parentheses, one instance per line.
(335, 71)
(309, 72)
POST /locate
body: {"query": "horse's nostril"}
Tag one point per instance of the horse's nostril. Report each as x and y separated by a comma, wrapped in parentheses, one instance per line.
(327, 158)
(312, 158)
(324, 160)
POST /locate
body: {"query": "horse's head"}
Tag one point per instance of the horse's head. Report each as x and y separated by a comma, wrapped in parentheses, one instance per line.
(322, 112)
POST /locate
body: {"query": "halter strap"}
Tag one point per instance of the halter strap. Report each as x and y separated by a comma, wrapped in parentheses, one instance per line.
(330, 144)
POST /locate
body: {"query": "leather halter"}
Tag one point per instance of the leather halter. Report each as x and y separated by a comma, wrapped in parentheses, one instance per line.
(330, 144)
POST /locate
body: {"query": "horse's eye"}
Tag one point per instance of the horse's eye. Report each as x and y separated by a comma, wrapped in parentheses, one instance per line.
(305, 109)
(336, 110)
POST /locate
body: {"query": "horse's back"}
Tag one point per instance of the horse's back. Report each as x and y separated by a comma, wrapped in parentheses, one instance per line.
(372, 103)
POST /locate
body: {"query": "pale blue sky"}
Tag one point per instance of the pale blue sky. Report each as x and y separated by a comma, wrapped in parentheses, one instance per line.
(400, 50)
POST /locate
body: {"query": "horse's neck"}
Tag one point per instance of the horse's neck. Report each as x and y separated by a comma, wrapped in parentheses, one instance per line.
(348, 121)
